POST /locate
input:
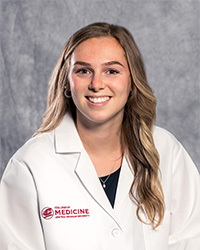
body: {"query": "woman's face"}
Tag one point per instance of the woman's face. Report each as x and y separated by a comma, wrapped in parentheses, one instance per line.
(99, 80)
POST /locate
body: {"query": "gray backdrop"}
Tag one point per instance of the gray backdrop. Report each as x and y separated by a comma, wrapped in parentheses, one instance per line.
(33, 34)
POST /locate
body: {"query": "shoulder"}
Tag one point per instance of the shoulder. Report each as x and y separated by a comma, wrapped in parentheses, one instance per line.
(171, 151)
(161, 133)
(164, 139)
(36, 146)
(168, 147)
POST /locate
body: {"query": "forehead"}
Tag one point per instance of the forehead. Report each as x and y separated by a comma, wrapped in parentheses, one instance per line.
(103, 48)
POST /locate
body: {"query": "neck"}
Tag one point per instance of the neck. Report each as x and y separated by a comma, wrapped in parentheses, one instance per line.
(101, 139)
(103, 145)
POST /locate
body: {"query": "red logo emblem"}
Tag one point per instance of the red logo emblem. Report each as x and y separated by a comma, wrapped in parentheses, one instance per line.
(47, 213)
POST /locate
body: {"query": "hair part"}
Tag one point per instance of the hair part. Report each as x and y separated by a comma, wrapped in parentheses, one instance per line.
(139, 116)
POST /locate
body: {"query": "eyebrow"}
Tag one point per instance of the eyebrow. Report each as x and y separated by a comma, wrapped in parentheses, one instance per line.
(82, 63)
(106, 64)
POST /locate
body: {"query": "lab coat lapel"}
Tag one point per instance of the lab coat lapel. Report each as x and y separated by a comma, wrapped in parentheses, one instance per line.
(67, 141)
(89, 179)
(124, 184)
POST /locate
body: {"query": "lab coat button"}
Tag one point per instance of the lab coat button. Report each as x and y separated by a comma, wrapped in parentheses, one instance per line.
(115, 232)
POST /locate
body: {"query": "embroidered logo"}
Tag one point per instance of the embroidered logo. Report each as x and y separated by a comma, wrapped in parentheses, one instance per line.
(47, 213)
(64, 212)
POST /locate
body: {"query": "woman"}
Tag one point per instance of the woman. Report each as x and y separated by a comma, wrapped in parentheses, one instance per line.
(98, 174)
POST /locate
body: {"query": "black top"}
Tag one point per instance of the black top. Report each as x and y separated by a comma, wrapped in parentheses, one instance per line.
(111, 185)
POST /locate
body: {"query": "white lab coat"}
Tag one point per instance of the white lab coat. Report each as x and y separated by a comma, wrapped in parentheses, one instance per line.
(51, 198)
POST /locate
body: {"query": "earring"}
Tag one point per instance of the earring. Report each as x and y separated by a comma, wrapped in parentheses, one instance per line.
(67, 93)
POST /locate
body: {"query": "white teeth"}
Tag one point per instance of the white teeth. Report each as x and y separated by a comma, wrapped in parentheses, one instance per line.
(98, 99)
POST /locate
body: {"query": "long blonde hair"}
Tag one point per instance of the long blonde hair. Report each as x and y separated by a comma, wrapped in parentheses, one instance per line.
(139, 116)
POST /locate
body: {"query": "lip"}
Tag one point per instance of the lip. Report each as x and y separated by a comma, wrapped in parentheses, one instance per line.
(98, 101)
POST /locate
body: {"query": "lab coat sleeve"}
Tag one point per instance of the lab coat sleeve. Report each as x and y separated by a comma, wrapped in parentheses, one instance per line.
(20, 226)
(185, 204)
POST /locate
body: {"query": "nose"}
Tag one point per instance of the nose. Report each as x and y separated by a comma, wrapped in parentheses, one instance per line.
(97, 83)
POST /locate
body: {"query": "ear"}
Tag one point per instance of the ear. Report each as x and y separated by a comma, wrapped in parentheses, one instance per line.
(67, 86)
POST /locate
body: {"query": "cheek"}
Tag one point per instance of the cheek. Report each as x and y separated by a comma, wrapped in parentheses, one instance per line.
(77, 91)
(71, 82)
(123, 87)
(74, 85)
(77, 85)
(126, 92)
(129, 86)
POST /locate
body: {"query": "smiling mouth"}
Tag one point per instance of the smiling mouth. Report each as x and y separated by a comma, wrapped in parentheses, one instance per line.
(98, 99)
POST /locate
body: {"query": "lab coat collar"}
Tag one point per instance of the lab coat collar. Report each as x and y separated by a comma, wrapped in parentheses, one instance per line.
(66, 137)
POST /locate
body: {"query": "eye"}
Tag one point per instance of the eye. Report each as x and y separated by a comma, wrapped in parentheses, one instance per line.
(83, 71)
(112, 72)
